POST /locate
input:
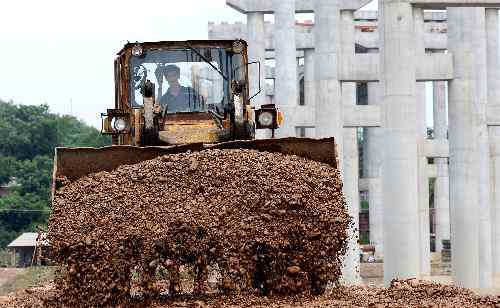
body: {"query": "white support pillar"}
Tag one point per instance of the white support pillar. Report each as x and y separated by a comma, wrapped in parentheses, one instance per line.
(485, 239)
(423, 179)
(471, 261)
(256, 52)
(309, 93)
(373, 173)
(441, 185)
(328, 111)
(350, 272)
(286, 63)
(493, 54)
(399, 167)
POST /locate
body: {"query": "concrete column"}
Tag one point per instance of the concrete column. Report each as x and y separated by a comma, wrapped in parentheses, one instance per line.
(470, 229)
(309, 93)
(256, 52)
(423, 179)
(400, 166)
(373, 174)
(493, 54)
(441, 185)
(328, 111)
(350, 272)
(485, 228)
(286, 63)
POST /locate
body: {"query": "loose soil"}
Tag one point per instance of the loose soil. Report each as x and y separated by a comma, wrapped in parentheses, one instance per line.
(259, 222)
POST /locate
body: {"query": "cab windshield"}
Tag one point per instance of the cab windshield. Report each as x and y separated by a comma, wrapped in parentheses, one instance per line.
(186, 80)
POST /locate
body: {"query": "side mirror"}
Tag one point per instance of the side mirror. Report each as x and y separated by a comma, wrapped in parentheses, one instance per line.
(260, 86)
(239, 75)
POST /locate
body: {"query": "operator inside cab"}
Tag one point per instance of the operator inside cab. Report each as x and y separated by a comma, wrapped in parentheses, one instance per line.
(179, 98)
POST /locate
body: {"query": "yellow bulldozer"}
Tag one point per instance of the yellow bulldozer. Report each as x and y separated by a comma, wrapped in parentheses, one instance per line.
(175, 97)
(178, 96)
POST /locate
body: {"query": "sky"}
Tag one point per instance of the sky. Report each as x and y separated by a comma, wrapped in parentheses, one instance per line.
(61, 52)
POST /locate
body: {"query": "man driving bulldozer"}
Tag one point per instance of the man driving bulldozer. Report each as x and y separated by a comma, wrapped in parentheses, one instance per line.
(179, 98)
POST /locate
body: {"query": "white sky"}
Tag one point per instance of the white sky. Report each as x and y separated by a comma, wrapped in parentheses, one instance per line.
(62, 51)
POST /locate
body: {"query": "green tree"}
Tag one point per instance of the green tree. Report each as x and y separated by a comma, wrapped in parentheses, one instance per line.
(28, 136)
(26, 131)
(8, 166)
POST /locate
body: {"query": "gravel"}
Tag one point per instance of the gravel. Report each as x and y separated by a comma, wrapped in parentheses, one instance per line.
(217, 228)
(267, 223)
(402, 293)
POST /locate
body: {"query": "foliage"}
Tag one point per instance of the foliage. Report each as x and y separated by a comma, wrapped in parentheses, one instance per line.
(28, 136)
(8, 166)
(364, 237)
(364, 205)
(6, 258)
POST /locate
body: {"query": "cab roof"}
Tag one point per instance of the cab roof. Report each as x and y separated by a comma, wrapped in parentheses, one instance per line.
(181, 44)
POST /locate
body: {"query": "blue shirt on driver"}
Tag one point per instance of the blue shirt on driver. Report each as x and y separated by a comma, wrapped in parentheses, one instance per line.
(186, 101)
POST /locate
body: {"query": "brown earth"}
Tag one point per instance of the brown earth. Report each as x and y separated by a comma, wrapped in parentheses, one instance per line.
(269, 223)
(408, 293)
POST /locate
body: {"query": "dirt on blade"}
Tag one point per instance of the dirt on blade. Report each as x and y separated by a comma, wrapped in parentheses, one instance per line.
(262, 222)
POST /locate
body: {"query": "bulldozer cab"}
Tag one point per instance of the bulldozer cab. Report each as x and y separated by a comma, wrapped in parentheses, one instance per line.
(170, 93)
(173, 97)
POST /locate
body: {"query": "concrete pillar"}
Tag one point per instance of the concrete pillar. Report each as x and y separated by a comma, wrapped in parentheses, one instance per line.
(328, 111)
(286, 63)
(309, 93)
(485, 235)
(373, 174)
(493, 54)
(256, 52)
(470, 228)
(441, 185)
(350, 273)
(423, 179)
(399, 167)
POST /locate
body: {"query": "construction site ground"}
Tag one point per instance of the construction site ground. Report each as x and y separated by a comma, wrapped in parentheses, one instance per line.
(11, 276)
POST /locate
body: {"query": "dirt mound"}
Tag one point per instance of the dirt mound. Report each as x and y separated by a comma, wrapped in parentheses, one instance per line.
(407, 293)
(265, 222)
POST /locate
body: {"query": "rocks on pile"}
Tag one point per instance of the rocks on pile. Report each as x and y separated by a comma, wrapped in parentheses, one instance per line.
(268, 222)
(402, 293)
(413, 293)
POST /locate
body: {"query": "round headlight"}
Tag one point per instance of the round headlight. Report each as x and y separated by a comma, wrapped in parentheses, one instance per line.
(137, 50)
(266, 118)
(120, 124)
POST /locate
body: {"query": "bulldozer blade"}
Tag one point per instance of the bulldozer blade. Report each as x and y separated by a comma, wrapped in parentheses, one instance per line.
(73, 163)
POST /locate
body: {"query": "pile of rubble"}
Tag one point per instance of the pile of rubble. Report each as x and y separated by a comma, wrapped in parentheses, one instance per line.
(402, 293)
(264, 223)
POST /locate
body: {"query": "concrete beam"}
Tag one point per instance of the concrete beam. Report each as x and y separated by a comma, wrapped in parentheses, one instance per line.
(432, 171)
(365, 67)
(364, 184)
(304, 36)
(494, 114)
(270, 55)
(443, 4)
(303, 116)
(373, 15)
(436, 148)
(362, 116)
(371, 40)
(301, 6)
(354, 116)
